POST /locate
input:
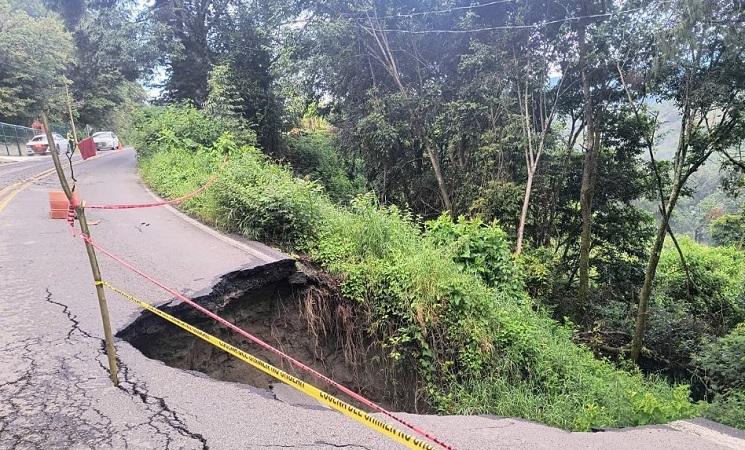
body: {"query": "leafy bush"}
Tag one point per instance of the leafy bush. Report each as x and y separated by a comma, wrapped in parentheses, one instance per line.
(710, 303)
(472, 346)
(723, 361)
(252, 196)
(313, 154)
(729, 230)
(264, 202)
(728, 409)
(184, 127)
(500, 201)
(481, 248)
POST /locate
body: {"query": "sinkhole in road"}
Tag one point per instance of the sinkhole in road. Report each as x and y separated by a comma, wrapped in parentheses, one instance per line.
(290, 306)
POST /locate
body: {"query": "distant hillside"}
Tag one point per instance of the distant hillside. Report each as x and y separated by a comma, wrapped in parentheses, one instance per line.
(706, 200)
(667, 137)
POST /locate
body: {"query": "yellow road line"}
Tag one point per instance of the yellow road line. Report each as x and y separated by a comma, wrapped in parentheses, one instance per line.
(8, 188)
(4, 202)
(308, 389)
(10, 191)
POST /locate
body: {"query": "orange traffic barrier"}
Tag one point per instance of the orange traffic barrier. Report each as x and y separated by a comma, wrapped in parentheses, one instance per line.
(58, 204)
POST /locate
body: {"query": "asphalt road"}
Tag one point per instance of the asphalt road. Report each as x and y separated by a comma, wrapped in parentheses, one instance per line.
(12, 171)
(54, 385)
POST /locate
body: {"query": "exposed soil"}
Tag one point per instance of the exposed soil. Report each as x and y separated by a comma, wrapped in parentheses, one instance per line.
(300, 313)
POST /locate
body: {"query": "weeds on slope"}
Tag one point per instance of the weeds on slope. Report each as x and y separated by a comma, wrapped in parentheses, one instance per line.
(459, 320)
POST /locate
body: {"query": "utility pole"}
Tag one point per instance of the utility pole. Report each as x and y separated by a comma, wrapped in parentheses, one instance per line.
(80, 209)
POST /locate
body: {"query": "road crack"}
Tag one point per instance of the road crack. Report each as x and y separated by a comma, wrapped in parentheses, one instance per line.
(160, 416)
(158, 406)
(70, 316)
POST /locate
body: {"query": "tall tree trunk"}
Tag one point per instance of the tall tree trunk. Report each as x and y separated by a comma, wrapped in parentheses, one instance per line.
(440, 180)
(378, 33)
(587, 189)
(524, 212)
(649, 275)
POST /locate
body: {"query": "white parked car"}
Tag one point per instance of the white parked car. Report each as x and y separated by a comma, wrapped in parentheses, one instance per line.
(38, 145)
(106, 140)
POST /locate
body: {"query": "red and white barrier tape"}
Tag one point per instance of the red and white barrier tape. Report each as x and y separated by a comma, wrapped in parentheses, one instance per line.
(259, 342)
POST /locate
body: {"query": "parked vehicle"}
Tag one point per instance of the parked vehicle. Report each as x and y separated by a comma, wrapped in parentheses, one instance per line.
(106, 140)
(38, 145)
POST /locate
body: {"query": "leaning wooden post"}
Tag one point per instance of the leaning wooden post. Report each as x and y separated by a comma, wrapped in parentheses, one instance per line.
(72, 121)
(80, 209)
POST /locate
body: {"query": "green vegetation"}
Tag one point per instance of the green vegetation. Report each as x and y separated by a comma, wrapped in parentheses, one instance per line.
(312, 153)
(723, 364)
(443, 302)
(728, 409)
(94, 48)
(729, 229)
(723, 361)
(489, 181)
(29, 79)
(701, 300)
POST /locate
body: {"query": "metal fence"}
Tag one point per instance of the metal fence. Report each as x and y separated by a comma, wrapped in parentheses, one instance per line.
(13, 139)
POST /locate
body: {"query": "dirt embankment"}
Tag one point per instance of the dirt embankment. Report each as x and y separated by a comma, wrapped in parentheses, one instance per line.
(293, 308)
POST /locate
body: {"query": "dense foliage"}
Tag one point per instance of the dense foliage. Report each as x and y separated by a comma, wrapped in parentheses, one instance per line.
(722, 363)
(312, 153)
(729, 229)
(35, 50)
(703, 299)
(470, 336)
(94, 49)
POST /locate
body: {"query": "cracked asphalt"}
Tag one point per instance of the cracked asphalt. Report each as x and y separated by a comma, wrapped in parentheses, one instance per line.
(54, 385)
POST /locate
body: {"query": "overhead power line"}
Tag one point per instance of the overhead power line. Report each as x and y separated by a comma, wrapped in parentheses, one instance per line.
(508, 27)
(446, 11)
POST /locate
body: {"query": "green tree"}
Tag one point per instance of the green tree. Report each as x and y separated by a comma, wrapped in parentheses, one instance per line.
(186, 34)
(729, 229)
(246, 49)
(223, 98)
(112, 51)
(35, 51)
(699, 68)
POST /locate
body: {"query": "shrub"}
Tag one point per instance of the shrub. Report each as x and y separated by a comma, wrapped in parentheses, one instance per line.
(313, 154)
(728, 409)
(723, 361)
(500, 201)
(184, 127)
(264, 202)
(729, 230)
(710, 303)
(252, 196)
(482, 249)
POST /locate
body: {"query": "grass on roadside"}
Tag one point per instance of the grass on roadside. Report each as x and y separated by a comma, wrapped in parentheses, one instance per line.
(473, 347)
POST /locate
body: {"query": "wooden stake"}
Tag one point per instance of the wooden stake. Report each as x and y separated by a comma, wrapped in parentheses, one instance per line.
(72, 122)
(80, 209)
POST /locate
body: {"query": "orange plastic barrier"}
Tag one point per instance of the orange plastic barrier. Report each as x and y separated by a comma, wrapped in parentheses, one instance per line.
(58, 204)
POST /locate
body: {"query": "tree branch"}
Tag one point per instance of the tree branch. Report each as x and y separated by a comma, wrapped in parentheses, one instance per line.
(740, 164)
(689, 281)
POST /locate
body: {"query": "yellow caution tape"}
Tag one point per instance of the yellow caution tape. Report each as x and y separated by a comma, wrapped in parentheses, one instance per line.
(312, 391)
